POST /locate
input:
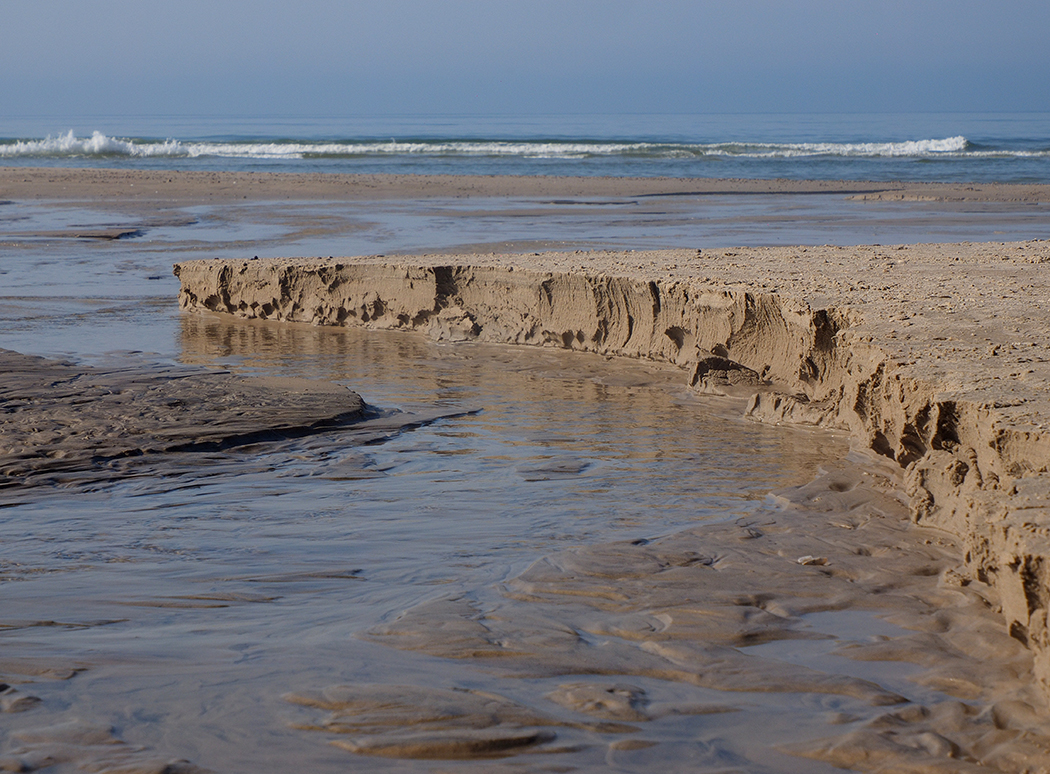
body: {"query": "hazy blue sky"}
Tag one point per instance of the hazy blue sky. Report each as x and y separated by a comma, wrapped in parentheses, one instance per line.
(322, 57)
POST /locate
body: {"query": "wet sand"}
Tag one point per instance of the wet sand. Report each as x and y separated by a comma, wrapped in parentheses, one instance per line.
(66, 422)
(95, 185)
(852, 636)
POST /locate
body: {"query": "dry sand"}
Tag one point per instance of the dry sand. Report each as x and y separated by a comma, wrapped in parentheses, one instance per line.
(932, 356)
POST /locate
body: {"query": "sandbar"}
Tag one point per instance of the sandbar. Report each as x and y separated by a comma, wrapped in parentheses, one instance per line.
(199, 187)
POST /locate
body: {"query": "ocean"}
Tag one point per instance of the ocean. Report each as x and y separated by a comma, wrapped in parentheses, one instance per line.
(977, 147)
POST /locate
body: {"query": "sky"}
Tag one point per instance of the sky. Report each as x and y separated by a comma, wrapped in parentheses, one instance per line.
(326, 58)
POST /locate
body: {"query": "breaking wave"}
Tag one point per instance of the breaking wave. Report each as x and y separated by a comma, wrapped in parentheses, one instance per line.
(99, 145)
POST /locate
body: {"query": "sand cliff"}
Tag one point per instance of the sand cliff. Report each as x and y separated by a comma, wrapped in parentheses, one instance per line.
(930, 355)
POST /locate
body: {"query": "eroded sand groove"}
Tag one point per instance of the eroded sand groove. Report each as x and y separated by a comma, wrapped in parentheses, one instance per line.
(976, 454)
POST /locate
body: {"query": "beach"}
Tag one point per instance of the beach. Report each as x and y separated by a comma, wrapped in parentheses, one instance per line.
(894, 584)
(181, 186)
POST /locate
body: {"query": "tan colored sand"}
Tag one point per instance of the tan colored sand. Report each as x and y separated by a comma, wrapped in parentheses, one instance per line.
(101, 185)
(969, 317)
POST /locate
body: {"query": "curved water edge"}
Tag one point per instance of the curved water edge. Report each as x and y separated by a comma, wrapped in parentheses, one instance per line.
(969, 469)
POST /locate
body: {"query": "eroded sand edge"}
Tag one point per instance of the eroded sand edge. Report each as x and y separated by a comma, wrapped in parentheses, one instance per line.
(930, 355)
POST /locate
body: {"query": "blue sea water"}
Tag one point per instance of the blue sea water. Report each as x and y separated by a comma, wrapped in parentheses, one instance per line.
(957, 147)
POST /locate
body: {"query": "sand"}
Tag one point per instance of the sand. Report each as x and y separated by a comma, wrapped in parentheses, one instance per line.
(174, 187)
(933, 358)
(64, 422)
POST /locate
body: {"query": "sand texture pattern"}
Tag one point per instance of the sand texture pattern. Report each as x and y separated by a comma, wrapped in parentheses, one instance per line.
(699, 606)
(62, 422)
(931, 355)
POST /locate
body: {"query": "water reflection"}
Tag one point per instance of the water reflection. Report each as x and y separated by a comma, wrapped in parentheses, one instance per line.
(258, 564)
(599, 419)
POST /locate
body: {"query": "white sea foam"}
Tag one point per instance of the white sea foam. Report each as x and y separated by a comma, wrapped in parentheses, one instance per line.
(949, 146)
(99, 144)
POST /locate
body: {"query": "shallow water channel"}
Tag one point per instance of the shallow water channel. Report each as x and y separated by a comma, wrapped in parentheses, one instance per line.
(196, 595)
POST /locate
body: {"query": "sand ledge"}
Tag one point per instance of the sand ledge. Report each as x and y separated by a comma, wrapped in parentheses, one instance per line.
(975, 454)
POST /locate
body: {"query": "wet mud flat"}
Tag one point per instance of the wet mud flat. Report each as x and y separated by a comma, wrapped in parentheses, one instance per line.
(63, 422)
(815, 629)
(763, 616)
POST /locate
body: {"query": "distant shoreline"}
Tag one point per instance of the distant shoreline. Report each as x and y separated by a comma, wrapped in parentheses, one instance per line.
(201, 187)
